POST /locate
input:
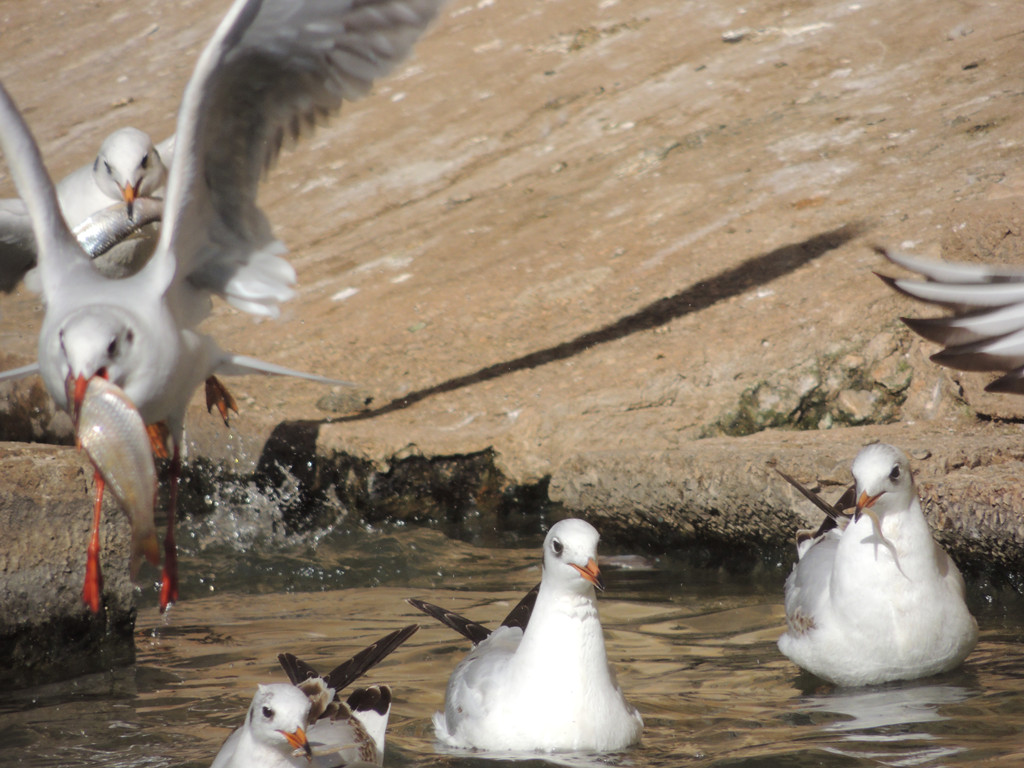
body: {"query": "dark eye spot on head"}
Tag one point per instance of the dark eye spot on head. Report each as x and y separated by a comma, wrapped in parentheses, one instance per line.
(556, 547)
(129, 336)
(112, 347)
(895, 474)
(107, 166)
(145, 161)
(268, 713)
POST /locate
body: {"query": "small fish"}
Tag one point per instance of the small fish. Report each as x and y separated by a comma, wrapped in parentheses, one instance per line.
(114, 437)
(114, 224)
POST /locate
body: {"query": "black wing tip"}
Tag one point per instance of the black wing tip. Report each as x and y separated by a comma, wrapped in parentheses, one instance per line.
(811, 496)
(471, 630)
(1010, 384)
(357, 666)
(296, 669)
(890, 281)
(520, 615)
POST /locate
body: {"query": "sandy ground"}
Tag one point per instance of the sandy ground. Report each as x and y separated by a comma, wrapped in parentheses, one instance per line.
(574, 228)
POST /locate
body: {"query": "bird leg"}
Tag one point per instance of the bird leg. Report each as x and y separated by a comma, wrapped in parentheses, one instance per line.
(217, 394)
(169, 577)
(93, 587)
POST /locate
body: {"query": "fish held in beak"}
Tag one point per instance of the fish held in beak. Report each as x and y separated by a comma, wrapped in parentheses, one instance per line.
(113, 435)
(299, 742)
(864, 505)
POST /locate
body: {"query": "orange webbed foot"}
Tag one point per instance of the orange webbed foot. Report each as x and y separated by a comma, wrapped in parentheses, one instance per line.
(158, 434)
(217, 394)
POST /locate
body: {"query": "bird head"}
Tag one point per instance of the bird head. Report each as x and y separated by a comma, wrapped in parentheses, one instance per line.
(278, 716)
(128, 166)
(96, 340)
(883, 482)
(570, 556)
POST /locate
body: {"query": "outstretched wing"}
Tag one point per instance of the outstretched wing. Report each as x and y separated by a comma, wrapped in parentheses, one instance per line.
(62, 263)
(272, 69)
(985, 331)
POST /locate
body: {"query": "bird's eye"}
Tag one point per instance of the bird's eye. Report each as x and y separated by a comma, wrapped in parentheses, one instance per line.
(145, 161)
(556, 547)
(110, 171)
(129, 336)
(268, 713)
(895, 474)
(112, 347)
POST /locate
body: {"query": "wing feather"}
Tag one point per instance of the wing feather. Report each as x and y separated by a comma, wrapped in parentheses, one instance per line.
(986, 329)
(273, 69)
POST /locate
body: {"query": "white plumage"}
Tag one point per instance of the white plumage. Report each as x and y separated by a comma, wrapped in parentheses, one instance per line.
(271, 69)
(128, 166)
(548, 687)
(305, 723)
(880, 600)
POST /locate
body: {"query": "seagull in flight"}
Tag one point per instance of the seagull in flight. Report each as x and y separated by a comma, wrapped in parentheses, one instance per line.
(875, 598)
(541, 681)
(272, 69)
(306, 723)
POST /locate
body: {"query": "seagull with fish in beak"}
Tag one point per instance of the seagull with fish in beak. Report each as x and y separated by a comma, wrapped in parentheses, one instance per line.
(860, 615)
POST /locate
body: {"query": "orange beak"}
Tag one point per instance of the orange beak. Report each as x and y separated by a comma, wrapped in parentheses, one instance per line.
(591, 573)
(865, 502)
(81, 384)
(130, 193)
(298, 740)
(75, 388)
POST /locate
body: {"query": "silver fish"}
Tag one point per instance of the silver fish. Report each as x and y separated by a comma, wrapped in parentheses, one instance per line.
(112, 225)
(114, 437)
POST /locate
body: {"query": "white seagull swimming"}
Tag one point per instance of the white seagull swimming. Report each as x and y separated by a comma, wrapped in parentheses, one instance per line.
(878, 599)
(541, 681)
(272, 69)
(985, 331)
(305, 722)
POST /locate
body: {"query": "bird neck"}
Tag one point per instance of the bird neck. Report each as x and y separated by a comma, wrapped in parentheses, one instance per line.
(250, 751)
(905, 539)
(564, 631)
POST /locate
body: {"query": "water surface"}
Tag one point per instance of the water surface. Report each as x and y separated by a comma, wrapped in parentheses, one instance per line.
(694, 649)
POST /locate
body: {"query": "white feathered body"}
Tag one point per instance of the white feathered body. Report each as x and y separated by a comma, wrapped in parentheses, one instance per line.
(549, 688)
(862, 612)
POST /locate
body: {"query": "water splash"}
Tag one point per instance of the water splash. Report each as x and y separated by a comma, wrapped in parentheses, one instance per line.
(243, 515)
